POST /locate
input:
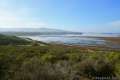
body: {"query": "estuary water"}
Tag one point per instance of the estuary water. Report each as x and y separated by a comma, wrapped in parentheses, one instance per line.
(67, 39)
(73, 39)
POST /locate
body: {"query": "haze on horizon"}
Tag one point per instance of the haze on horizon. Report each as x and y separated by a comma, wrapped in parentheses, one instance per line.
(73, 15)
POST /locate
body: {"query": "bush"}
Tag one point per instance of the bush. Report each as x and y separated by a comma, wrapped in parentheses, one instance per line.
(56, 63)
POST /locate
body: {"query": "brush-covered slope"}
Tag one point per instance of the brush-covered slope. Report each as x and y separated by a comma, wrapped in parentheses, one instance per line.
(6, 40)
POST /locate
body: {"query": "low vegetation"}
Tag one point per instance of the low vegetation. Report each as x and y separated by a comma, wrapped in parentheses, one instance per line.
(12, 40)
(58, 62)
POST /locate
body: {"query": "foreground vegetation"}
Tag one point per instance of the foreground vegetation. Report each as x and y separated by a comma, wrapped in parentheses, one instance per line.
(58, 62)
(55, 62)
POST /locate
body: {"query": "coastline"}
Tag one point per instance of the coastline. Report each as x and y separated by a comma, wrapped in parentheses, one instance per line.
(111, 39)
(113, 43)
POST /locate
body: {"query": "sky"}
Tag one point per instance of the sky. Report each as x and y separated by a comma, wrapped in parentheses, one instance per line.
(73, 15)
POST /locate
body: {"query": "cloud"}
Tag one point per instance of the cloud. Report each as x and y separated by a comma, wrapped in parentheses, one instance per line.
(115, 23)
(17, 18)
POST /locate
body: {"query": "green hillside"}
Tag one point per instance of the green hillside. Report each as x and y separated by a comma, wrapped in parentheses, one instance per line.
(6, 40)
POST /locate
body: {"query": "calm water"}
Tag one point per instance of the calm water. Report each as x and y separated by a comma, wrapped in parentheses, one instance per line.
(76, 39)
(68, 40)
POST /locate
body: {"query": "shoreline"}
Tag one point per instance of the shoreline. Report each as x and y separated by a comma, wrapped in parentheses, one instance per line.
(113, 43)
(113, 40)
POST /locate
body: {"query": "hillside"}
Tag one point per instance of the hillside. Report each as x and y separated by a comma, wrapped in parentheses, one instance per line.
(6, 40)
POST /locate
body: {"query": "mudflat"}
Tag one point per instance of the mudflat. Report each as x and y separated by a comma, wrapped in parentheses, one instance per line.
(115, 40)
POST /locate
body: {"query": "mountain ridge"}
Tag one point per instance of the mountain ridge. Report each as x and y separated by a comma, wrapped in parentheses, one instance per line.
(32, 30)
(35, 31)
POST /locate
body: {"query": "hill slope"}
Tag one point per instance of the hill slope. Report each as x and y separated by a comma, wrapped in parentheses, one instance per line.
(5, 40)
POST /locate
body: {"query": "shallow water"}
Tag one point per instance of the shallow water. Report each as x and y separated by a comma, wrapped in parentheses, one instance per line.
(69, 40)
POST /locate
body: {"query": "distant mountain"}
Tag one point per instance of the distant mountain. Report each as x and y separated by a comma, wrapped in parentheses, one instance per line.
(35, 31)
(30, 30)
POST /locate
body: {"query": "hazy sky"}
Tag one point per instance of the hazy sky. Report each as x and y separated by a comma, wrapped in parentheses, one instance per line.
(77, 15)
